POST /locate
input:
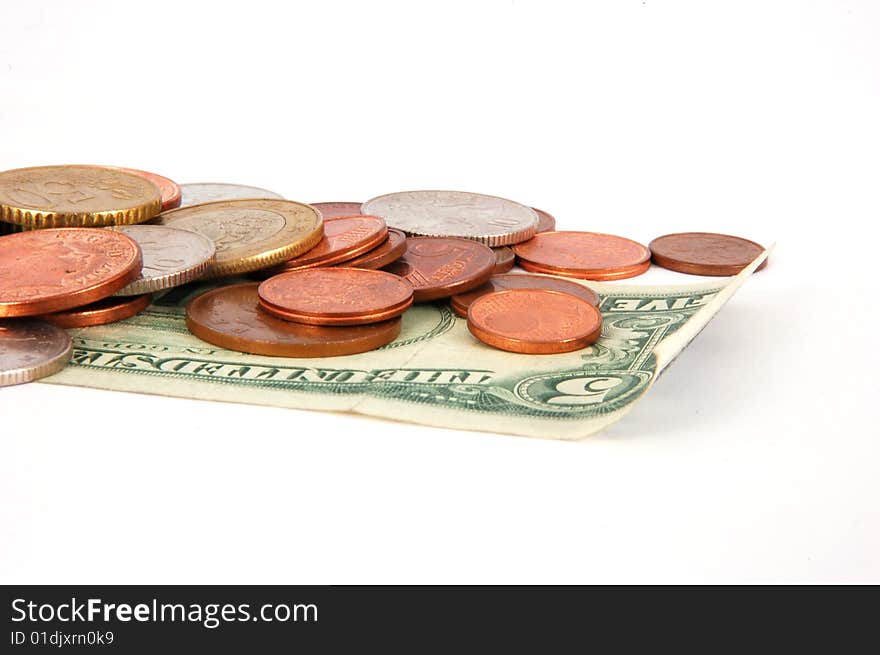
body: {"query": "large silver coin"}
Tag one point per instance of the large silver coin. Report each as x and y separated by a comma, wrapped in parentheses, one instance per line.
(196, 194)
(487, 219)
(31, 349)
(171, 257)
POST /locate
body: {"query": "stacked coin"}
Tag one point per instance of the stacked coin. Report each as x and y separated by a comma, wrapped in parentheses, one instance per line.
(338, 276)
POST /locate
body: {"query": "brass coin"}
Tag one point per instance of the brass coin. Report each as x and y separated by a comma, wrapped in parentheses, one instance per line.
(250, 234)
(76, 196)
(231, 317)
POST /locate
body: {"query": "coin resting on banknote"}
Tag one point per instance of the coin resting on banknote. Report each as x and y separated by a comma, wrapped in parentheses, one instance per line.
(409, 291)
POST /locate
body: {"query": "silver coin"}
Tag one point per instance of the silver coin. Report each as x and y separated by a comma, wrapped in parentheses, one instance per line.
(171, 257)
(196, 194)
(487, 219)
(31, 349)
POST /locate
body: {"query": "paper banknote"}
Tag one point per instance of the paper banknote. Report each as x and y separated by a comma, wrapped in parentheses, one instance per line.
(435, 373)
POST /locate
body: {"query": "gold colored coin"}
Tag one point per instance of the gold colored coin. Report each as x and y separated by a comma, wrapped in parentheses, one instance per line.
(250, 234)
(76, 196)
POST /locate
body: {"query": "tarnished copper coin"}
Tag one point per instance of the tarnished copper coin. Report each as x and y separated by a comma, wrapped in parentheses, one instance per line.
(169, 189)
(546, 222)
(705, 253)
(344, 238)
(504, 259)
(584, 255)
(337, 209)
(49, 271)
(388, 251)
(534, 321)
(462, 301)
(231, 317)
(336, 296)
(439, 267)
(106, 310)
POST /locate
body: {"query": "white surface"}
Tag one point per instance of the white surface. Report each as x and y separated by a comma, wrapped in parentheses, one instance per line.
(756, 456)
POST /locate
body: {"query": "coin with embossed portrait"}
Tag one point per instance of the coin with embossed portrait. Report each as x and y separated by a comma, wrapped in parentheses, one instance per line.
(488, 219)
(171, 257)
(336, 296)
(76, 196)
(30, 350)
(198, 193)
(441, 267)
(45, 271)
(250, 234)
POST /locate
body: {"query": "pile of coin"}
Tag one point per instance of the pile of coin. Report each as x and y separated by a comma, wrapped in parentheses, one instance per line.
(88, 245)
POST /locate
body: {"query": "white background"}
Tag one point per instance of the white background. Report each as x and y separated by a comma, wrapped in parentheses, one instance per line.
(756, 456)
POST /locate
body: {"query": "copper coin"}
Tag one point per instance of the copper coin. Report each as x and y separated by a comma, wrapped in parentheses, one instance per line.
(461, 302)
(335, 296)
(169, 189)
(107, 310)
(337, 209)
(439, 267)
(584, 255)
(534, 321)
(47, 271)
(704, 253)
(344, 238)
(504, 259)
(231, 317)
(546, 222)
(388, 251)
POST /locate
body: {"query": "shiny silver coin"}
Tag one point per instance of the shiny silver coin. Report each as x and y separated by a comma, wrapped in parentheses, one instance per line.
(171, 257)
(198, 193)
(30, 350)
(487, 219)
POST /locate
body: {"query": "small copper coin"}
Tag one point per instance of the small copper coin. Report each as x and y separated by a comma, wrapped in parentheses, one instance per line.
(439, 267)
(107, 310)
(336, 296)
(534, 321)
(584, 255)
(704, 253)
(344, 238)
(462, 302)
(546, 222)
(231, 317)
(169, 189)
(504, 260)
(388, 251)
(47, 271)
(338, 209)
